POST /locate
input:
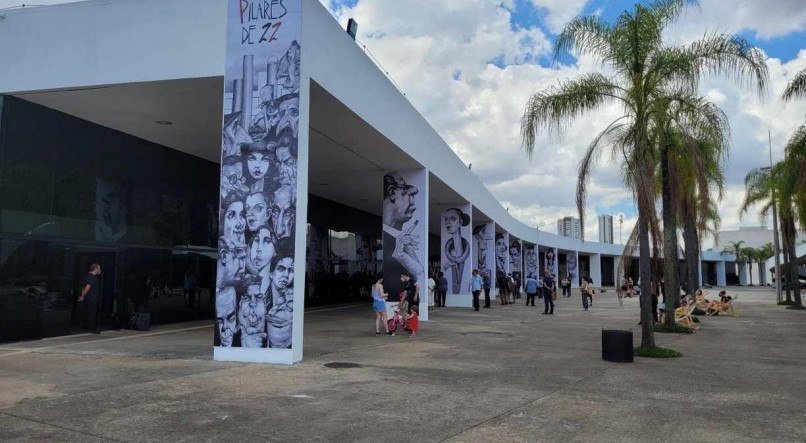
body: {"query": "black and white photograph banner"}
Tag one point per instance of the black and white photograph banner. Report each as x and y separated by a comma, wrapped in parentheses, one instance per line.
(572, 265)
(501, 257)
(405, 238)
(530, 260)
(551, 262)
(484, 250)
(455, 243)
(516, 259)
(258, 211)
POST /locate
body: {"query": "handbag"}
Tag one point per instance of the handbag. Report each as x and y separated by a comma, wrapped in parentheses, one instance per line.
(553, 294)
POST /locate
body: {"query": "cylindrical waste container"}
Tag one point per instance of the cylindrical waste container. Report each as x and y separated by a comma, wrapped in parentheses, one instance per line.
(617, 346)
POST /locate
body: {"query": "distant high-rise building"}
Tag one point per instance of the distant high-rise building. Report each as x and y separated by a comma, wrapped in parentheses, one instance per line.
(569, 227)
(606, 228)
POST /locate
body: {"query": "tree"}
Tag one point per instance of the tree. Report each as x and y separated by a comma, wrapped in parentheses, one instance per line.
(737, 249)
(777, 186)
(750, 255)
(765, 253)
(643, 73)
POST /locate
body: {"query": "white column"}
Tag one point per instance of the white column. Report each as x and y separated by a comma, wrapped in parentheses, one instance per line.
(720, 273)
(456, 252)
(572, 266)
(742, 273)
(596, 269)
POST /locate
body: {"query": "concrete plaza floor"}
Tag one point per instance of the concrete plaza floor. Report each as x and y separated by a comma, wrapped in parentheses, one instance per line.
(503, 374)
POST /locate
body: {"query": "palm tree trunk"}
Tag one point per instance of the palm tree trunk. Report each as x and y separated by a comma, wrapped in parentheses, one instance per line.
(644, 272)
(750, 271)
(692, 245)
(761, 265)
(794, 280)
(671, 288)
(785, 240)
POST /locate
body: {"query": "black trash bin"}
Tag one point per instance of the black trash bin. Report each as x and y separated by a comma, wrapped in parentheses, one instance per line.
(617, 346)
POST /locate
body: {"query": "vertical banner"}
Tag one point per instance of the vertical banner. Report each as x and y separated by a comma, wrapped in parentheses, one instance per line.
(551, 262)
(456, 247)
(255, 288)
(405, 236)
(530, 260)
(572, 265)
(516, 260)
(501, 256)
(484, 250)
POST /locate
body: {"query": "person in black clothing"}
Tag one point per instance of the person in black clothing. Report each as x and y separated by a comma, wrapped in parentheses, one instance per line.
(90, 297)
(485, 278)
(412, 289)
(442, 289)
(548, 285)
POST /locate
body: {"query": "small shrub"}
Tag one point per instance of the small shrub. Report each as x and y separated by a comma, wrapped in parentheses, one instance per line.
(656, 352)
(698, 311)
(672, 328)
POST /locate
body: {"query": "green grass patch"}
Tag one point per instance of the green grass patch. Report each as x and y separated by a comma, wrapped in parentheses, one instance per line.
(656, 352)
(786, 303)
(672, 328)
(796, 307)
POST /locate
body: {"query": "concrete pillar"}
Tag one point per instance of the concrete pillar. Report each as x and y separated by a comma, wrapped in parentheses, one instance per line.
(743, 280)
(456, 252)
(572, 265)
(720, 273)
(699, 271)
(403, 226)
(484, 251)
(596, 269)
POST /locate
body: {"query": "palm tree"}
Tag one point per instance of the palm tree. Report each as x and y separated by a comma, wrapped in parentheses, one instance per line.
(643, 73)
(751, 255)
(777, 185)
(765, 253)
(795, 149)
(737, 249)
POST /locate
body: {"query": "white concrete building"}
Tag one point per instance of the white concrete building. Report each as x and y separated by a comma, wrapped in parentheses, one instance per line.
(138, 90)
(569, 227)
(605, 228)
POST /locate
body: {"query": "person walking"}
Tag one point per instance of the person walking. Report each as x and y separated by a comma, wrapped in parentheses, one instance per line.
(503, 287)
(476, 283)
(432, 284)
(565, 284)
(442, 289)
(379, 306)
(486, 285)
(90, 298)
(549, 293)
(583, 289)
(531, 290)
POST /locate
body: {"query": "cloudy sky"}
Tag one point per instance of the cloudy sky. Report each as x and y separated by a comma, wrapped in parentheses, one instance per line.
(470, 65)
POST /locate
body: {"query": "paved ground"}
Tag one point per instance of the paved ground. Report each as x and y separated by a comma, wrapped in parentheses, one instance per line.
(504, 374)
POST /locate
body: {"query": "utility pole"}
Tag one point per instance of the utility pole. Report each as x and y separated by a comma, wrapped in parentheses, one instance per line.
(776, 246)
(620, 222)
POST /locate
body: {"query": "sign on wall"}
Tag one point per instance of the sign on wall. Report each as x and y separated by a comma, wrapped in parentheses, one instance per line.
(257, 224)
(455, 245)
(405, 236)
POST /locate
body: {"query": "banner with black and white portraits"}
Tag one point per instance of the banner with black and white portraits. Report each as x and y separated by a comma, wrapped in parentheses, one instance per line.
(405, 238)
(551, 262)
(516, 259)
(501, 256)
(572, 266)
(484, 250)
(456, 247)
(256, 252)
(530, 262)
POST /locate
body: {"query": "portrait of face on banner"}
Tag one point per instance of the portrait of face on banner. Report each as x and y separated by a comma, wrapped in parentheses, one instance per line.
(455, 233)
(256, 254)
(484, 249)
(530, 260)
(404, 230)
(501, 255)
(572, 265)
(551, 261)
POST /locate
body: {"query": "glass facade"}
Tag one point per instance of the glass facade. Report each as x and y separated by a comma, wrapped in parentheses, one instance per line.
(73, 193)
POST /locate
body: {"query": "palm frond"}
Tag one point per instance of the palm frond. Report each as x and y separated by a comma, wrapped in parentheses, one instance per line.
(796, 88)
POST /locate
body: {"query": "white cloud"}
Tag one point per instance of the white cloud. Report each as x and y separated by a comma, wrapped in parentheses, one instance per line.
(559, 11)
(424, 44)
